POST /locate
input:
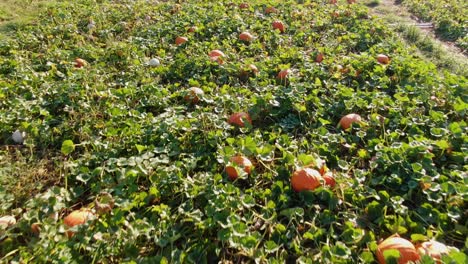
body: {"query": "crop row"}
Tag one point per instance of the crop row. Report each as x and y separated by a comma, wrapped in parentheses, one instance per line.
(448, 16)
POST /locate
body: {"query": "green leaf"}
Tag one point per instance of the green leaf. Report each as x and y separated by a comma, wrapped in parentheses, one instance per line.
(140, 148)
(418, 238)
(391, 256)
(455, 257)
(67, 147)
(271, 247)
(292, 212)
(306, 159)
(367, 257)
(443, 144)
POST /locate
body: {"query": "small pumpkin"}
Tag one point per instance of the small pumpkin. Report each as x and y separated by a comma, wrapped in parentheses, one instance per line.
(305, 179)
(243, 5)
(347, 120)
(407, 250)
(329, 179)
(216, 53)
(246, 36)
(80, 63)
(36, 228)
(319, 57)
(434, 249)
(283, 74)
(278, 25)
(383, 59)
(270, 10)
(192, 29)
(240, 162)
(75, 218)
(180, 40)
(239, 119)
(193, 95)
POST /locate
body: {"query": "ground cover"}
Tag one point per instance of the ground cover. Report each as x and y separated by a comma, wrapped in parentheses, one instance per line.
(120, 135)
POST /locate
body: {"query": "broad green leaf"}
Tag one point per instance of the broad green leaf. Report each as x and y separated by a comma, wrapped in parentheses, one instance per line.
(67, 147)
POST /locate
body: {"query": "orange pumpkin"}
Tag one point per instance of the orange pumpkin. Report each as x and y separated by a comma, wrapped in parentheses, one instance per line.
(319, 58)
(245, 36)
(283, 74)
(383, 59)
(36, 228)
(347, 120)
(192, 29)
(77, 217)
(80, 63)
(433, 249)
(240, 162)
(243, 6)
(253, 68)
(278, 25)
(193, 95)
(329, 179)
(305, 179)
(216, 53)
(407, 250)
(270, 10)
(239, 119)
(180, 40)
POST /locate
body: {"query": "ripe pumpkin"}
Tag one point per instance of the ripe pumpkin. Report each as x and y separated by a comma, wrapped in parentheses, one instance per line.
(283, 74)
(383, 59)
(329, 179)
(77, 217)
(240, 162)
(319, 58)
(253, 68)
(193, 95)
(239, 119)
(243, 5)
(180, 40)
(348, 119)
(192, 29)
(245, 36)
(278, 25)
(433, 248)
(323, 168)
(270, 10)
(80, 63)
(36, 228)
(216, 53)
(305, 179)
(407, 250)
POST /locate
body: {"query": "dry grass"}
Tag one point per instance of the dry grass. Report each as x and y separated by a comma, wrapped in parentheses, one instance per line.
(14, 13)
(23, 176)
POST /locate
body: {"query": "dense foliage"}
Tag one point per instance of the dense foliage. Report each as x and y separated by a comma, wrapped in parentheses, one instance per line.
(450, 18)
(121, 130)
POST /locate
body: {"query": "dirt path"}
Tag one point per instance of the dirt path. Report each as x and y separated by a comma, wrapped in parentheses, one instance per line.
(444, 54)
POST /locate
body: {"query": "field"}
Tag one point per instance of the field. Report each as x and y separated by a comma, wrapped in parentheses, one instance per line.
(450, 18)
(98, 114)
